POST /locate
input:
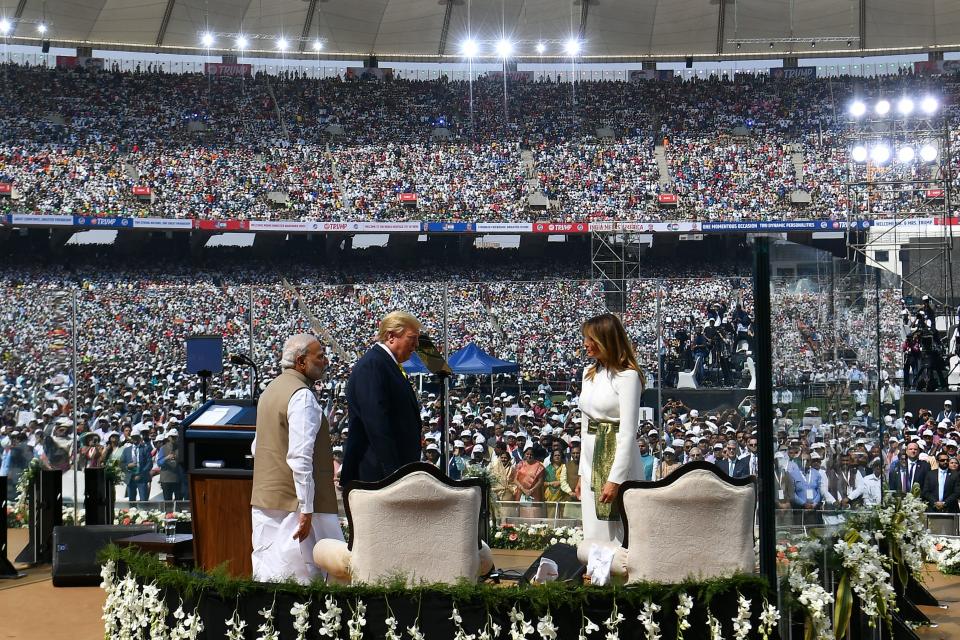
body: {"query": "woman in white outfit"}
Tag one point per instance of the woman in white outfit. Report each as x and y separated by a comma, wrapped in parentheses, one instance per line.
(610, 404)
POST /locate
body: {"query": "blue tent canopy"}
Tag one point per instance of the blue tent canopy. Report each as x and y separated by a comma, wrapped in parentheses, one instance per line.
(474, 360)
(415, 365)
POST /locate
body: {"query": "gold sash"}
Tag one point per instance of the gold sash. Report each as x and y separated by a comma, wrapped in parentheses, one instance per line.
(604, 451)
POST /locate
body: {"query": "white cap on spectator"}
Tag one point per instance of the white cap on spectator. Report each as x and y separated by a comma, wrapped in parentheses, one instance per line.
(458, 443)
(479, 438)
(653, 432)
(477, 448)
(432, 447)
(669, 450)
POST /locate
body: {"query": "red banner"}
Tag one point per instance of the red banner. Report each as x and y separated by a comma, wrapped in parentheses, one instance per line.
(668, 199)
(408, 198)
(6, 188)
(222, 225)
(141, 191)
(561, 227)
(223, 69)
(935, 194)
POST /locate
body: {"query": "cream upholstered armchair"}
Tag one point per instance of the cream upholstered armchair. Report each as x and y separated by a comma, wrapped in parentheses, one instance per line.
(695, 523)
(417, 523)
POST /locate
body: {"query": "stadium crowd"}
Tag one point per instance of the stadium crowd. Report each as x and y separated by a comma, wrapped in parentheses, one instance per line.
(265, 148)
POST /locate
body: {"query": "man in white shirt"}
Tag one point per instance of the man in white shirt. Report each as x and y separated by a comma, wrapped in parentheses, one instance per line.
(870, 486)
(293, 502)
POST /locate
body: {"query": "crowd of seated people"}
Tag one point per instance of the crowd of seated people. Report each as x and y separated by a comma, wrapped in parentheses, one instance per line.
(266, 148)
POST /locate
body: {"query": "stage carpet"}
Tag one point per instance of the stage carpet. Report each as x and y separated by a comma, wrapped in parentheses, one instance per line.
(31, 608)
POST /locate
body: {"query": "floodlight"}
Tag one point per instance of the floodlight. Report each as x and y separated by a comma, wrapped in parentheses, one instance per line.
(880, 153)
(469, 48)
(572, 47)
(929, 104)
(241, 42)
(5, 26)
(928, 153)
(282, 44)
(317, 45)
(541, 48)
(857, 109)
(42, 28)
(504, 48)
(905, 106)
(859, 153)
(207, 40)
(905, 154)
(882, 108)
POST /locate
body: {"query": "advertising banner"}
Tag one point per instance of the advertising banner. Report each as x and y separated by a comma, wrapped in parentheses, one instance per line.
(640, 75)
(886, 223)
(782, 225)
(448, 227)
(512, 76)
(73, 62)
(561, 227)
(182, 224)
(6, 188)
(796, 72)
(933, 194)
(29, 219)
(368, 73)
(277, 225)
(934, 67)
(141, 191)
(222, 225)
(364, 227)
(503, 227)
(224, 69)
(93, 221)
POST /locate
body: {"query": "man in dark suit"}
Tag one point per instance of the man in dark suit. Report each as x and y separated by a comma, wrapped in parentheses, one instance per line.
(384, 413)
(748, 463)
(917, 469)
(728, 460)
(940, 488)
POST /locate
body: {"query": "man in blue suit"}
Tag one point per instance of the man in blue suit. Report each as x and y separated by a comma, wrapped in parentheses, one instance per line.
(137, 463)
(384, 413)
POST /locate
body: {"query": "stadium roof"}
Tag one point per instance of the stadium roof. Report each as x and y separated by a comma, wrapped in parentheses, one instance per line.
(611, 30)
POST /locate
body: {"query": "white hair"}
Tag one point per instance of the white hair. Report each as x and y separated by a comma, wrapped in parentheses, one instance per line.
(294, 347)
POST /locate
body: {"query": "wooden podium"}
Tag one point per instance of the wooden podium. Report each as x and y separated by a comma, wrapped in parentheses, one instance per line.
(217, 439)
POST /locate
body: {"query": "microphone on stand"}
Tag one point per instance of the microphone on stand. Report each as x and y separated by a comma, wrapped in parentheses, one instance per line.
(244, 360)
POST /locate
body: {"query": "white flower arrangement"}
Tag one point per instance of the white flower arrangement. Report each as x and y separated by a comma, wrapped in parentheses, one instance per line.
(869, 577)
(187, 626)
(713, 624)
(612, 623)
(768, 620)
(651, 627)
(301, 619)
(330, 618)
(684, 607)
(946, 553)
(267, 630)
(806, 588)
(357, 621)
(741, 621)
(546, 628)
(490, 631)
(235, 626)
(520, 627)
(587, 626)
(461, 633)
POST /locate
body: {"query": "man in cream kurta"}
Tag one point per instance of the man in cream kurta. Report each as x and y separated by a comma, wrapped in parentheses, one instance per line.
(293, 503)
(613, 397)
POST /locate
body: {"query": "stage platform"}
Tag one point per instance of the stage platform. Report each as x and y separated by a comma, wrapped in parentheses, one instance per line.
(32, 608)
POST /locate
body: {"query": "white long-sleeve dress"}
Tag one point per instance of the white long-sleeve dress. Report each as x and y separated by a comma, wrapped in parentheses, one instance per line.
(609, 398)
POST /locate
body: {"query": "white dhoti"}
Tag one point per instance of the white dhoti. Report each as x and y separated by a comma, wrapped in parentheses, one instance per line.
(593, 529)
(277, 556)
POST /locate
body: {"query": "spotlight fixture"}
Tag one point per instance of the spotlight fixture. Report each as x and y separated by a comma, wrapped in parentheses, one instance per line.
(572, 47)
(317, 45)
(857, 109)
(813, 44)
(42, 28)
(849, 43)
(282, 44)
(541, 48)
(738, 45)
(882, 108)
(5, 26)
(469, 48)
(880, 153)
(859, 153)
(504, 48)
(905, 154)
(905, 106)
(242, 42)
(929, 105)
(207, 40)
(771, 45)
(928, 153)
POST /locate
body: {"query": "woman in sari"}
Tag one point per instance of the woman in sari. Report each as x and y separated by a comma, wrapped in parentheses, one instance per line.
(530, 475)
(503, 484)
(554, 476)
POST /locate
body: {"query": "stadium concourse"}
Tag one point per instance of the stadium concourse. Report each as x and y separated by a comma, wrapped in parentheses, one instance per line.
(78, 142)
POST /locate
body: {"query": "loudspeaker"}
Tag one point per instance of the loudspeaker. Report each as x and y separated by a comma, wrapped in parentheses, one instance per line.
(45, 504)
(75, 551)
(688, 62)
(45, 47)
(568, 566)
(98, 496)
(7, 570)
